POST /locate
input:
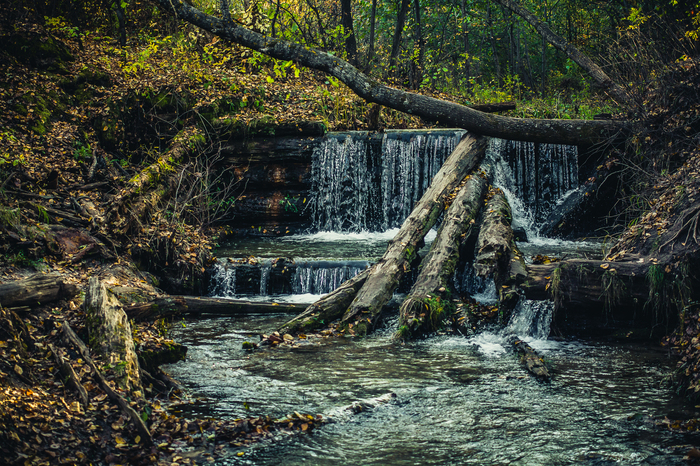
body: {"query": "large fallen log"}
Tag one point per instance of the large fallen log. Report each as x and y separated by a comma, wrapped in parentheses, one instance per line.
(327, 309)
(35, 290)
(174, 305)
(384, 276)
(425, 307)
(429, 108)
(497, 255)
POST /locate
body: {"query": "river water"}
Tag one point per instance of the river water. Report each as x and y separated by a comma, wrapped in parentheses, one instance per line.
(459, 400)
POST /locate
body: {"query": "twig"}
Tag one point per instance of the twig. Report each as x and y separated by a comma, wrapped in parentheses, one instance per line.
(70, 336)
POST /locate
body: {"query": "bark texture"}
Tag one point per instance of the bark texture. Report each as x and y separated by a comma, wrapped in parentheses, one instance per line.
(173, 305)
(35, 290)
(327, 309)
(497, 255)
(535, 130)
(384, 276)
(110, 334)
(425, 308)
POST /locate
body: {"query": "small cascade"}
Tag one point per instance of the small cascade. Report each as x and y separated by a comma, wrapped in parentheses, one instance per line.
(223, 281)
(535, 178)
(364, 182)
(467, 282)
(264, 277)
(265, 269)
(321, 277)
(531, 319)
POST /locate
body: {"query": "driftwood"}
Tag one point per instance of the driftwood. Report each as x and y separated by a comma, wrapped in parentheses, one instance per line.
(424, 309)
(36, 290)
(69, 336)
(327, 309)
(429, 108)
(384, 276)
(497, 254)
(174, 305)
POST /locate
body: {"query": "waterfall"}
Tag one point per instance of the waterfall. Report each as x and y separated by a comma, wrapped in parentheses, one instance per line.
(535, 178)
(371, 183)
(321, 277)
(260, 278)
(223, 281)
(531, 319)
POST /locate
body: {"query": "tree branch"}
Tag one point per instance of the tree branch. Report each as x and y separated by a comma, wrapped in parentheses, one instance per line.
(429, 108)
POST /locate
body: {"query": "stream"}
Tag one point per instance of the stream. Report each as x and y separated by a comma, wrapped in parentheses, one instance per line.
(459, 400)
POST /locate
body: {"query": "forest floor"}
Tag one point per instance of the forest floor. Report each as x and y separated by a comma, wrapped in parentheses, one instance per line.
(81, 119)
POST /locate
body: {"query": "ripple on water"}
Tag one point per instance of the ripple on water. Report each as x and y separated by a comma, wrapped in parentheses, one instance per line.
(459, 400)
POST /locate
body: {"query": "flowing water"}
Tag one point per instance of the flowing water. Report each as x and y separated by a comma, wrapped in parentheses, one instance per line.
(459, 400)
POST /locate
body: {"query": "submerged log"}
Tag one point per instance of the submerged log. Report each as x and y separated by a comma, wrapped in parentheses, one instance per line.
(174, 305)
(497, 255)
(532, 361)
(327, 309)
(35, 290)
(384, 276)
(425, 308)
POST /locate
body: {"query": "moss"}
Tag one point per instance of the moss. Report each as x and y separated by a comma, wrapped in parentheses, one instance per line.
(39, 51)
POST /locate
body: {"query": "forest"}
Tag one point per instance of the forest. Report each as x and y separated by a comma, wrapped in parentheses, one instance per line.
(325, 219)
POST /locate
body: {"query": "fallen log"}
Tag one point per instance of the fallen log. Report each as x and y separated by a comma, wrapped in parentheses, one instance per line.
(494, 107)
(425, 307)
(497, 254)
(384, 276)
(69, 375)
(327, 309)
(173, 305)
(429, 108)
(35, 290)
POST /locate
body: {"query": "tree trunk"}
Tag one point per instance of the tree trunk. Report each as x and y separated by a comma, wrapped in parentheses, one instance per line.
(110, 335)
(174, 305)
(396, 42)
(384, 276)
(35, 290)
(327, 309)
(372, 24)
(419, 65)
(350, 41)
(425, 307)
(595, 71)
(534, 130)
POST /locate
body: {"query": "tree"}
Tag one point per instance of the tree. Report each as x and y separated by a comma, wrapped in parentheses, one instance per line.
(536, 130)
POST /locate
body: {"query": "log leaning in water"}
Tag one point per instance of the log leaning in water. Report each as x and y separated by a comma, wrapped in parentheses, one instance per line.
(384, 276)
(327, 309)
(173, 305)
(496, 252)
(424, 309)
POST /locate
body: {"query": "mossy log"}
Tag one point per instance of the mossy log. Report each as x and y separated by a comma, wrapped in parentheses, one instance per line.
(35, 290)
(497, 254)
(327, 309)
(110, 334)
(424, 309)
(174, 305)
(384, 276)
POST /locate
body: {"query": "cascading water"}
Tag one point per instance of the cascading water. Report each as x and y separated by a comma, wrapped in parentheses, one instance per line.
(363, 183)
(535, 178)
(302, 277)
